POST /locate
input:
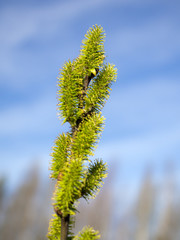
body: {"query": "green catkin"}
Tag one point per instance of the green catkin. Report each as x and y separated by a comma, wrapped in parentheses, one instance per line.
(84, 85)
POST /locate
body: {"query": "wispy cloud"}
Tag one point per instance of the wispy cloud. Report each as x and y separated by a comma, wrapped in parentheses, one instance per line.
(20, 24)
(143, 122)
(34, 117)
(152, 42)
(148, 105)
(142, 148)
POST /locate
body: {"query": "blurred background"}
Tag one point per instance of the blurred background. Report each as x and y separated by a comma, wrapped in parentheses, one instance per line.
(140, 199)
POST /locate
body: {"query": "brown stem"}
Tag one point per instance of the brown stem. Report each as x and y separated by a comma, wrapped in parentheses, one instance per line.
(64, 223)
(65, 220)
(64, 227)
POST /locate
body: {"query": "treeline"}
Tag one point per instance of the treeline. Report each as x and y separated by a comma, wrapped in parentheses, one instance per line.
(153, 214)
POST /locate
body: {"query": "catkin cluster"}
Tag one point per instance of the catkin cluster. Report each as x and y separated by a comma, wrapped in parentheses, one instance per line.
(84, 85)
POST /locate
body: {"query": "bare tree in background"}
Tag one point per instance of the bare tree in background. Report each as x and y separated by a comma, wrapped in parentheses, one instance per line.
(169, 220)
(98, 213)
(145, 209)
(154, 215)
(24, 217)
(2, 199)
(135, 223)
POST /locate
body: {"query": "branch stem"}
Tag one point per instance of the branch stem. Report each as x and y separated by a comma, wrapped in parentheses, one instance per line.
(64, 227)
(65, 220)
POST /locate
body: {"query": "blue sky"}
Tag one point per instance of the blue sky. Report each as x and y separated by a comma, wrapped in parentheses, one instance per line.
(142, 114)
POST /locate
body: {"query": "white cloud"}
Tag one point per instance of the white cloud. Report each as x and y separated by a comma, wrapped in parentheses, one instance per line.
(34, 118)
(150, 42)
(150, 104)
(154, 146)
(19, 24)
(143, 122)
(153, 41)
